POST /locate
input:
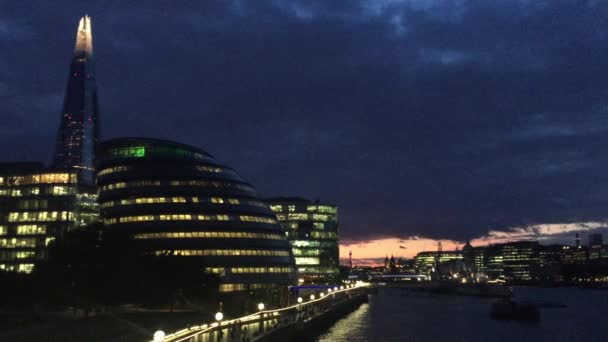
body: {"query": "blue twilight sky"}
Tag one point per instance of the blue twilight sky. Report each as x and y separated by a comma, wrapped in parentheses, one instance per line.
(436, 119)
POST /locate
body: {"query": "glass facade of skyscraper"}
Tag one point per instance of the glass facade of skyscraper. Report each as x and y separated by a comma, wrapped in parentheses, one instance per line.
(312, 229)
(78, 131)
(36, 206)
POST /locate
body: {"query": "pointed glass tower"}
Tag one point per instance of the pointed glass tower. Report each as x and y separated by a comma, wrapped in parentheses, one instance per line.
(78, 131)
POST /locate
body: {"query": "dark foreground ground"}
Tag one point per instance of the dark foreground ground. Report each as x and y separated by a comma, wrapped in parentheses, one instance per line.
(123, 326)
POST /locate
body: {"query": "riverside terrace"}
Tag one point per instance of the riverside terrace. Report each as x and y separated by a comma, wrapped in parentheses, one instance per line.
(310, 316)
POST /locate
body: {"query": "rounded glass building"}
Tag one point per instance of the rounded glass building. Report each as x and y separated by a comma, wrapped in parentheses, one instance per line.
(175, 199)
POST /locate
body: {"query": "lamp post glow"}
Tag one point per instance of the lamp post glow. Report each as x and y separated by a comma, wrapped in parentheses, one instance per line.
(335, 288)
(312, 297)
(219, 316)
(261, 306)
(322, 295)
(300, 299)
(159, 336)
(328, 290)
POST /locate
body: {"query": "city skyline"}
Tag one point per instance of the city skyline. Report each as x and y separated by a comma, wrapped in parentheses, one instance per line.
(503, 159)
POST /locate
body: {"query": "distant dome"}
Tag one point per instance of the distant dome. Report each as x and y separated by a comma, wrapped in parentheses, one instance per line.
(177, 199)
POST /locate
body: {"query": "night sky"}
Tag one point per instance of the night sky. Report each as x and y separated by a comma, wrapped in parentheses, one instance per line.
(421, 120)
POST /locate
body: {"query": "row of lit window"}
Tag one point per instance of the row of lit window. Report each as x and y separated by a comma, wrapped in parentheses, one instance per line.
(15, 255)
(26, 229)
(323, 235)
(322, 209)
(18, 243)
(22, 268)
(306, 252)
(311, 208)
(317, 244)
(40, 216)
(112, 170)
(210, 169)
(45, 178)
(222, 252)
(187, 217)
(207, 235)
(158, 200)
(318, 269)
(307, 261)
(56, 190)
(261, 269)
(215, 184)
(220, 270)
(241, 287)
(305, 217)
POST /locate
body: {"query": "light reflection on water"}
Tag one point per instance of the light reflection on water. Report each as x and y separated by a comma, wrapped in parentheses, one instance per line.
(397, 316)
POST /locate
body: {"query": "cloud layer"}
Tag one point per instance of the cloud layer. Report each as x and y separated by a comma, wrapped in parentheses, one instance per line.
(442, 119)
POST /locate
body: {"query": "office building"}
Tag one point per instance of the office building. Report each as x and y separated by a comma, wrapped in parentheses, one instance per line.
(36, 206)
(178, 200)
(312, 230)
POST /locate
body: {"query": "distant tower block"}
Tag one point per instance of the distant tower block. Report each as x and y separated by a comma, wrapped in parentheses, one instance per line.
(577, 240)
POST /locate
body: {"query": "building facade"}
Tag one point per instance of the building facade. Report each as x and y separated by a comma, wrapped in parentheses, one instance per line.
(177, 200)
(78, 132)
(36, 206)
(312, 230)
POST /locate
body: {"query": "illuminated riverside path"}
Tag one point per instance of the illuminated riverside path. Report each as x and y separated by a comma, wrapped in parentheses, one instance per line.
(262, 324)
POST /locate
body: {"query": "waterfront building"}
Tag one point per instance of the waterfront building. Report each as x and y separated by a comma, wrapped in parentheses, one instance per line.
(426, 262)
(519, 260)
(37, 205)
(596, 242)
(178, 200)
(312, 230)
(78, 131)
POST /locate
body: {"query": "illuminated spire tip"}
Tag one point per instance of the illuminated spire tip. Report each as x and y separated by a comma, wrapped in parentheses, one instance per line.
(84, 37)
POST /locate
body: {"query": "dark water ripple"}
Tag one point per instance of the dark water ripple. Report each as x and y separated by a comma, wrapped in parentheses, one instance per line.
(396, 316)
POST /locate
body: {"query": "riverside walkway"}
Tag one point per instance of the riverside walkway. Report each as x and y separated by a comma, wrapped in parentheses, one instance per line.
(262, 325)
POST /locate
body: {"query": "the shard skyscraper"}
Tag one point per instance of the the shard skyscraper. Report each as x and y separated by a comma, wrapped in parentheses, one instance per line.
(78, 131)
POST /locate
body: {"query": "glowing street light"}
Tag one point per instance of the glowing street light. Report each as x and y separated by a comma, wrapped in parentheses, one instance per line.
(328, 290)
(219, 316)
(261, 306)
(335, 288)
(300, 299)
(312, 297)
(321, 295)
(159, 336)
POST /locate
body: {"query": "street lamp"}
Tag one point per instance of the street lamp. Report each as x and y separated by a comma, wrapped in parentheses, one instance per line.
(321, 295)
(219, 316)
(328, 290)
(335, 288)
(312, 297)
(159, 336)
(341, 287)
(300, 299)
(261, 306)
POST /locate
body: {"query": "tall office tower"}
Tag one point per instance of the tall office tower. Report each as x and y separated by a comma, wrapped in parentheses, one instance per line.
(78, 131)
(312, 230)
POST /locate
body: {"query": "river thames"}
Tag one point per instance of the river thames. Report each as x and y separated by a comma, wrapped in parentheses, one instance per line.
(393, 315)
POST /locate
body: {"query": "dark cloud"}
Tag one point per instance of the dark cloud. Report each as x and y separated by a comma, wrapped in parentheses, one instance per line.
(432, 118)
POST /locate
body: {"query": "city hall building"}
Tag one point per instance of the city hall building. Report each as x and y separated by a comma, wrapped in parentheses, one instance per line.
(178, 200)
